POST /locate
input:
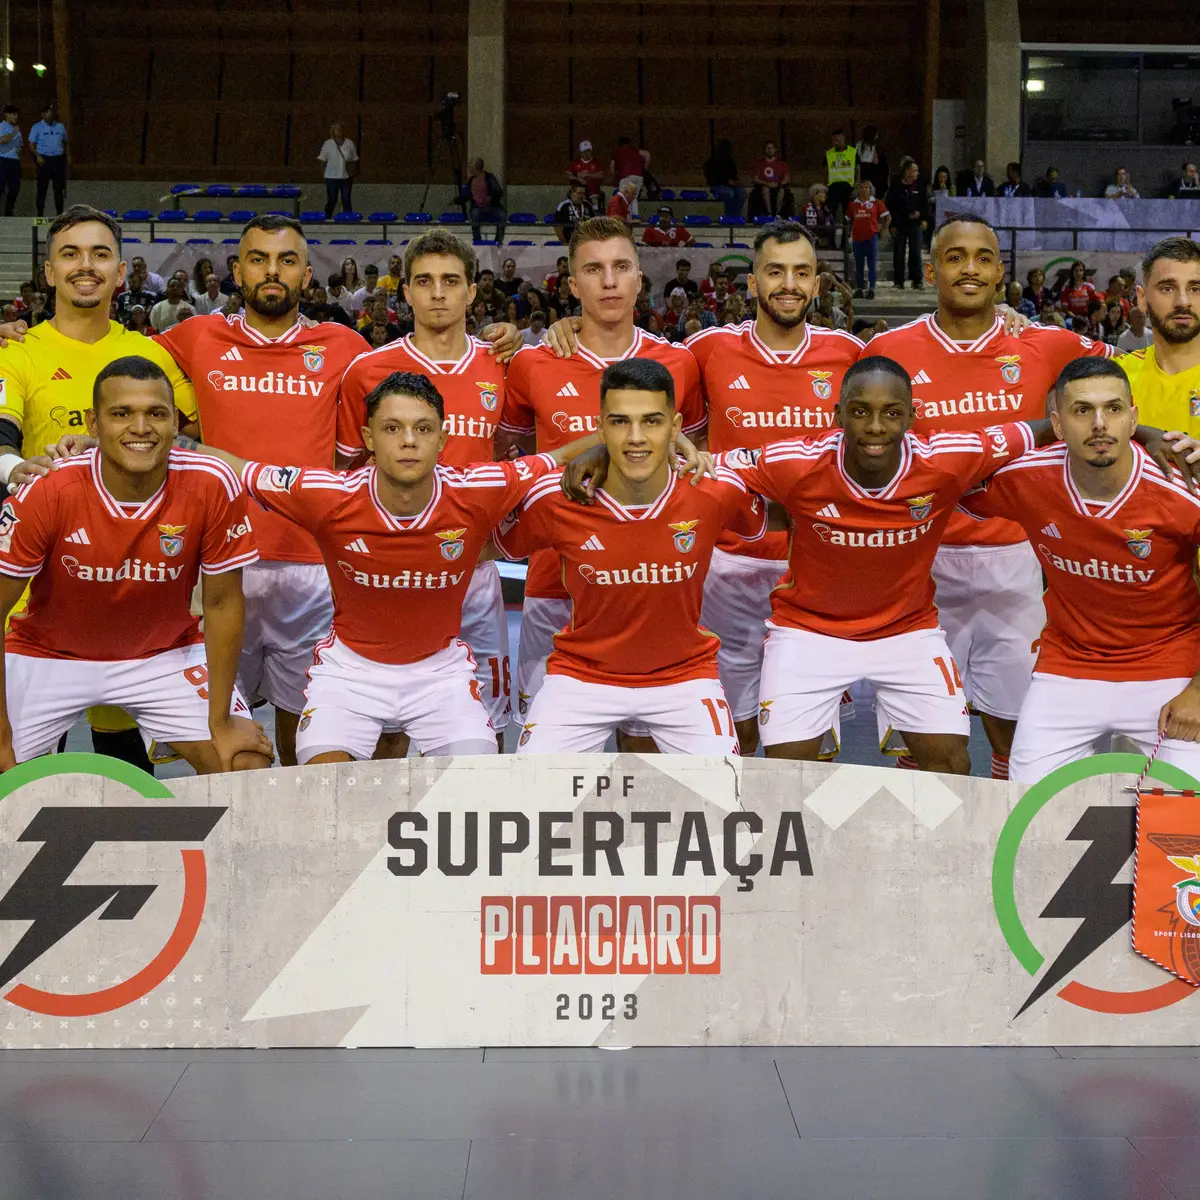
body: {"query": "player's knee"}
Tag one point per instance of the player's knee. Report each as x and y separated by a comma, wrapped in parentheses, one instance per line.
(747, 732)
(954, 760)
(250, 760)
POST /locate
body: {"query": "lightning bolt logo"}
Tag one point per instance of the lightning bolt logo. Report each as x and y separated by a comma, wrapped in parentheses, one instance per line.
(1089, 893)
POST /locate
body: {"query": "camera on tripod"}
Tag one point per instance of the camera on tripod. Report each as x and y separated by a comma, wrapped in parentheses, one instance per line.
(445, 115)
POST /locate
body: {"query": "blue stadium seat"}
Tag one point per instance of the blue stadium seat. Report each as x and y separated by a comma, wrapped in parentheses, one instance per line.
(110, 212)
(418, 218)
(230, 241)
(125, 241)
(348, 218)
(519, 242)
(242, 215)
(453, 218)
(172, 214)
(314, 216)
(764, 219)
(697, 219)
(379, 242)
(694, 194)
(251, 189)
(739, 245)
(178, 189)
(383, 218)
(164, 241)
(278, 212)
(313, 241)
(548, 219)
(208, 214)
(136, 214)
(219, 189)
(285, 191)
(733, 222)
(199, 241)
(667, 194)
(342, 242)
(703, 245)
(523, 218)
(652, 220)
(554, 243)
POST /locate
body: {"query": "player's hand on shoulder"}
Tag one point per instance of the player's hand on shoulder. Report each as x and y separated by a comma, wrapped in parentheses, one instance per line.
(12, 331)
(1015, 323)
(1182, 444)
(584, 475)
(693, 462)
(560, 336)
(505, 339)
(1180, 717)
(1171, 456)
(69, 445)
(239, 735)
(29, 470)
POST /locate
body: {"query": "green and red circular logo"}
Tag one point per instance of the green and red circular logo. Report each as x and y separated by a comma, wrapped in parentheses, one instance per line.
(1088, 893)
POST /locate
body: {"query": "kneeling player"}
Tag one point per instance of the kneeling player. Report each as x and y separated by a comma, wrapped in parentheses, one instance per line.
(634, 565)
(113, 541)
(1121, 648)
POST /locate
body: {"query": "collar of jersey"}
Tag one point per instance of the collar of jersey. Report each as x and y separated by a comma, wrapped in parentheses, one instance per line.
(405, 523)
(884, 493)
(440, 368)
(952, 346)
(597, 361)
(773, 356)
(239, 322)
(647, 513)
(1081, 506)
(114, 507)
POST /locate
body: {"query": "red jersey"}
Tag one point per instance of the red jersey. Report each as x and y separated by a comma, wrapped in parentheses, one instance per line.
(618, 207)
(865, 216)
(773, 170)
(472, 389)
(589, 172)
(113, 581)
(398, 582)
(627, 160)
(1079, 298)
(969, 386)
(860, 560)
(756, 395)
(635, 576)
(255, 392)
(558, 399)
(677, 235)
(1121, 600)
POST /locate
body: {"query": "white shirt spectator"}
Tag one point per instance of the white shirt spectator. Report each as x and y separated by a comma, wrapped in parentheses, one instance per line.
(346, 300)
(364, 294)
(1130, 341)
(156, 283)
(167, 313)
(205, 304)
(336, 157)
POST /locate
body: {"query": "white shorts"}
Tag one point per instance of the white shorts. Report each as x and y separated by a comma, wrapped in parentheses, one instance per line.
(541, 619)
(166, 694)
(289, 609)
(1064, 720)
(485, 630)
(989, 601)
(570, 716)
(737, 603)
(805, 674)
(351, 700)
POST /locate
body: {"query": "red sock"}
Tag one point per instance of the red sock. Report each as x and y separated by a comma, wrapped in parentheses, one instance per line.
(999, 766)
(906, 762)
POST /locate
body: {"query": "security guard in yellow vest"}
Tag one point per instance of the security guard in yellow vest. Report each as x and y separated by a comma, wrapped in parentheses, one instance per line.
(841, 161)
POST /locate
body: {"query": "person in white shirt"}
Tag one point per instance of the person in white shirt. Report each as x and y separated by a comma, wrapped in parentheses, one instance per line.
(211, 299)
(341, 163)
(337, 293)
(1122, 187)
(154, 281)
(167, 312)
(1137, 335)
(532, 336)
(367, 291)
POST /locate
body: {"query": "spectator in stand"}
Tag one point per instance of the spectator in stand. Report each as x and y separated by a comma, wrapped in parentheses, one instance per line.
(1014, 297)
(379, 328)
(489, 295)
(868, 219)
(137, 291)
(1078, 293)
(509, 283)
(485, 197)
(1186, 187)
(721, 175)
(722, 289)
(872, 165)
(138, 320)
(566, 302)
(629, 163)
(588, 171)
(771, 195)
(683, 280)
(622, 203)
(210, 300)
(976, 181)
(531, 335)
(1121, 187)
(198, 283)
(908, 203)
(1050, 186)
(561, 272)
(942, 187)
(1097, 313)
(733, 311)
(1013, 185)
(667, 232)
(708, 285)
(340, 294)
(340, 160)
(697, 310)
(644, 316)
(166, 312)
(10, 158)
(350, 280)
(1114, 322)
(841, 167)
(154, 283)
(228, 283)
(1116, 292)
(1036, 291)
(23, 302)
(1051, 316)
(48, 144)
(575, 208)
(676, 314)
(392, 283)
(1137, 333)
(818, 216)
(370, 286)
(233, 305)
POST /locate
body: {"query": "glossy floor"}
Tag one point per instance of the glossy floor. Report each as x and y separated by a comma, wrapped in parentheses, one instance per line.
(756, 1124)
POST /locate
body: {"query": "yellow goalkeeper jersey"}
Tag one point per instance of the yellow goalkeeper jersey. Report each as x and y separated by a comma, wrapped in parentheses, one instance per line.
(1166, 401)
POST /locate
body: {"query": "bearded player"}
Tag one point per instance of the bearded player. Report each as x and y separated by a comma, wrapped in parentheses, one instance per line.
(634, 563)
(1120, 653)
(967, 374)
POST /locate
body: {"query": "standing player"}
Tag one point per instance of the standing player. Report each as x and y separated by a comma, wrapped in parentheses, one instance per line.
(1165, 376)
(550, 400)
(121, 533)
(440, 271)
(1120, 653)
(967, 374)
(634, 564)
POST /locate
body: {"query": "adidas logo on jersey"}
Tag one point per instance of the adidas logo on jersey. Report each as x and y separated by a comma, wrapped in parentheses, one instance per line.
(1051, 530)
(233, 354)
(593, 543)
(359, 546)
(568, 390)
(61, 373)
(79, 537)
(829, 512)
(920, 377)
(739, 384)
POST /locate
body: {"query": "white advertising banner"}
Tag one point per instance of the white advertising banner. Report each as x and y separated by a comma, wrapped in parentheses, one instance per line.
(593, 900)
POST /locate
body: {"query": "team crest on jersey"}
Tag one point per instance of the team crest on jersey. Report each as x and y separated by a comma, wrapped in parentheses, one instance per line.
(489, 397)
(526, 734)
(1194, 403)
(305, 719)
(685, 538)
(523, 701)
(170, 538)
(314, 357)
(1010, 367)
(1138, 541)
(919, 507)
(764, 711)
(452, 543)
(821, 386)
(8, 524)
